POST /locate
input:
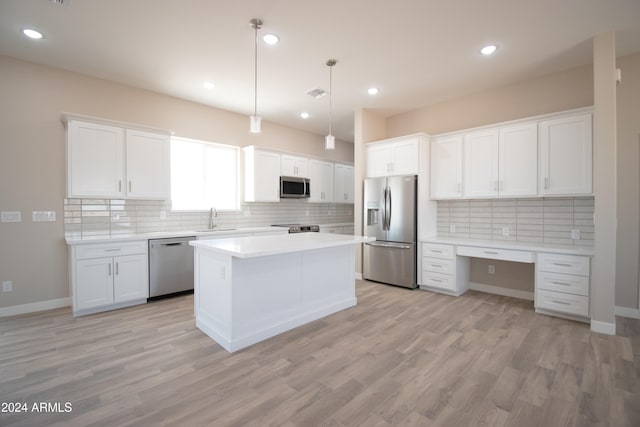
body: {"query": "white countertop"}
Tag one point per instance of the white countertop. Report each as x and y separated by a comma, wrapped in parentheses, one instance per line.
(522, 246)
(258, 246)
(167, 234)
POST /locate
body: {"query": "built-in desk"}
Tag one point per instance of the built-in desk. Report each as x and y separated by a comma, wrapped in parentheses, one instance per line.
(561, 272)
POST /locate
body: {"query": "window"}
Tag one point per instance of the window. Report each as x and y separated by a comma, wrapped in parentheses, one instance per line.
(204, 175)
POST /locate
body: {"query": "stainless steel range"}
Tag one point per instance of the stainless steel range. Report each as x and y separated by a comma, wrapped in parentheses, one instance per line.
(299, 228)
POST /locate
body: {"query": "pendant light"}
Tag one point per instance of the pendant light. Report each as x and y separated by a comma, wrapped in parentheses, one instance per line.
(255, 120)
(330, 140)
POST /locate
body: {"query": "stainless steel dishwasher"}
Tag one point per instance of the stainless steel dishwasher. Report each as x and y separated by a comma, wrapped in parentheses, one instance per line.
(170, 266)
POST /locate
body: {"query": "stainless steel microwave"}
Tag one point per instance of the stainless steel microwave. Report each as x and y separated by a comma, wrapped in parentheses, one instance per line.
(293, 187)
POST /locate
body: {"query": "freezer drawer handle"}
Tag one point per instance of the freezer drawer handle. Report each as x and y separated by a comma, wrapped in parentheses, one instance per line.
(386, 245)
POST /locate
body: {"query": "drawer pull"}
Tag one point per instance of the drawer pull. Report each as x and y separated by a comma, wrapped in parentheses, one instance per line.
(561, 283)
(562, 264)
(436, 265)
(437, 280)
(436, 251)
(491, 253)
(560, 302)
(112, 250)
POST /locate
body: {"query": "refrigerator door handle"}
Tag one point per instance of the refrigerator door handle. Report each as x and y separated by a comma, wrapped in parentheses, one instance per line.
(388, 208)
(389, 245)
(384, 209)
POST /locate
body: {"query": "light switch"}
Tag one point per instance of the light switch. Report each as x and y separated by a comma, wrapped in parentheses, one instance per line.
(10, 216)
(43, 216)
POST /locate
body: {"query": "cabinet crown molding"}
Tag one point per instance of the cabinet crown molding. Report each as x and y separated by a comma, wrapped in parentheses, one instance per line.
(67, 117)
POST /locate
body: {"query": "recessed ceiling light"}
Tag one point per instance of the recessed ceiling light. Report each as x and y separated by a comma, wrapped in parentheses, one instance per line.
(209, 85)
(489, 49)
(373, 91)
(270, 38)
(304, 115)
(32, 34)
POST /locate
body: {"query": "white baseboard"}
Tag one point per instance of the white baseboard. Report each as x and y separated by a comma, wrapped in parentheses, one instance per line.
(603, 327)
(358, 276)
(14, 310)
(633, 313)
(490, 289)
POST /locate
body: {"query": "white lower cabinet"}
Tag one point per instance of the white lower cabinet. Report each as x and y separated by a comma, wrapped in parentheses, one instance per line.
(442, 271)
(108, 275)
(562, 284)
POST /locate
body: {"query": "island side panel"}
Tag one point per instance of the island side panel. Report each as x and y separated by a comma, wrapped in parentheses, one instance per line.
(277, 293)
(212, 295)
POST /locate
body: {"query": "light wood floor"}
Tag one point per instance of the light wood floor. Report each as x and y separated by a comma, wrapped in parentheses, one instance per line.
(400, 357)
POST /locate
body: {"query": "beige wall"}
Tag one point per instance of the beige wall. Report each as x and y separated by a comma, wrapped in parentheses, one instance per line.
(628, 238)
(32, 158)
(555, 92)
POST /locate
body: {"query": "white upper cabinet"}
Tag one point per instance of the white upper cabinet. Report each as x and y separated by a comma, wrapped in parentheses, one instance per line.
(399, 156)
(295, 166)
(446, 167)
(566, 158)
(95, 160)
(321, 178)
(518, 160)
(344, 183)
(113, 162)
(481, 164)
(261, 175)
(148, 167)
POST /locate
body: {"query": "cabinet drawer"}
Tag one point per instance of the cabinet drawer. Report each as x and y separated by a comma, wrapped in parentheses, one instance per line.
(110, 249)
(577, 285)
(565, 264)
(436, 250)
(491, 253)
(438, 280)
(438, 265)
(563, 303)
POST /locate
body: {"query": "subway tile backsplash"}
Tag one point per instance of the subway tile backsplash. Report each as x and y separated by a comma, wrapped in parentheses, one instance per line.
(543, 221)
(110, 217)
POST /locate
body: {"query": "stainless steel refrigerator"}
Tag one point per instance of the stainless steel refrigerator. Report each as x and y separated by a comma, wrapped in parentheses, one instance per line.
(390, 215)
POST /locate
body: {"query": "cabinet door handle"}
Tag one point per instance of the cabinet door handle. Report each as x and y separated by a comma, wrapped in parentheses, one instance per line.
(117, 269)
(129, 186)
(458, 188)
(119, 185)
(559, 264)
(546, 183)
(109, 269)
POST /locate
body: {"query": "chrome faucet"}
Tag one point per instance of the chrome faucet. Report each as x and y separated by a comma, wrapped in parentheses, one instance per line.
(213, 213)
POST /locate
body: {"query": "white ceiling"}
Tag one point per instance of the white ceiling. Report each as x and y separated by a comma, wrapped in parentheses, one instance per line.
(418, 52)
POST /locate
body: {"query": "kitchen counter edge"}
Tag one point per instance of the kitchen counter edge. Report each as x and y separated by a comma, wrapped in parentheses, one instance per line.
(521, 246)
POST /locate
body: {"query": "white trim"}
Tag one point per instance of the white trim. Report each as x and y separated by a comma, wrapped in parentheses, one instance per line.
(14, 310)
(359, 276)
(632, 313)
(497, 290)
(603, 327)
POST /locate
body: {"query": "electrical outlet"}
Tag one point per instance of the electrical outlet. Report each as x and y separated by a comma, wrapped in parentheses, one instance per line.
(10, 216)
(7, 286)
(505, 231)
(452, 228)
(575, 234)
(492, 269)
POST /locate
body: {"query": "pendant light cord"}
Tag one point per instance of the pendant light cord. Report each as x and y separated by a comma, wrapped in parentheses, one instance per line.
(255, 73)
(330, 99)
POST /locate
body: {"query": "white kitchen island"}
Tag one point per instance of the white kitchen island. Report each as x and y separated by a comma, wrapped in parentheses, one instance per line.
(248, 289)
